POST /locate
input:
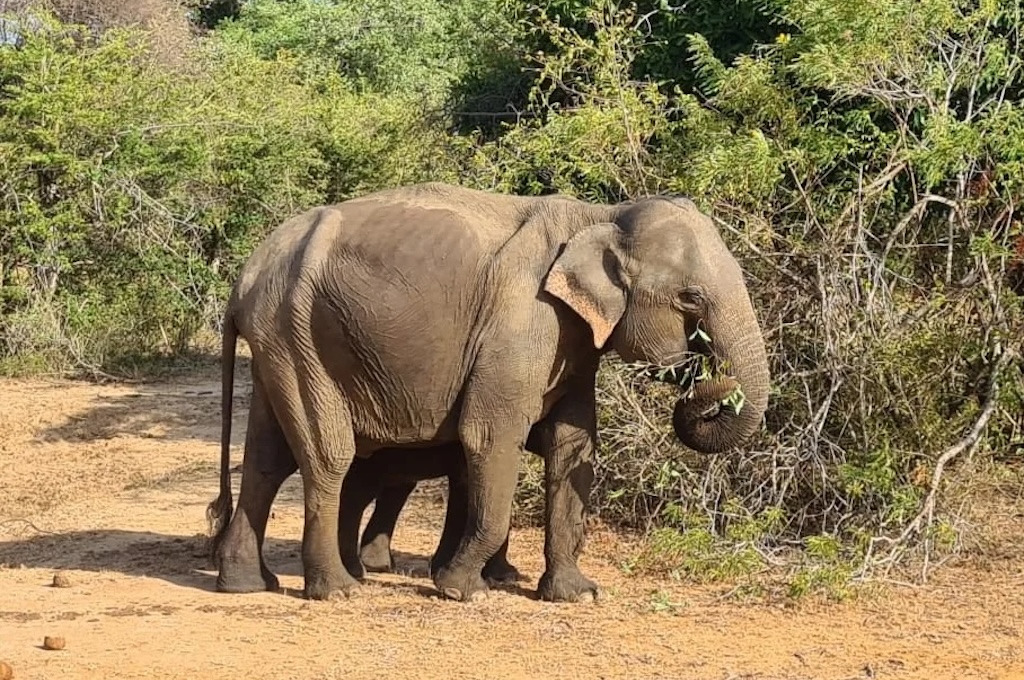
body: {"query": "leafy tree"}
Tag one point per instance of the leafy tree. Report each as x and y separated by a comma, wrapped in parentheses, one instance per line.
(421, 48)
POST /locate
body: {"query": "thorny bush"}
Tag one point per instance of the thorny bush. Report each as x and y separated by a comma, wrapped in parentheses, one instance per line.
(866, 167)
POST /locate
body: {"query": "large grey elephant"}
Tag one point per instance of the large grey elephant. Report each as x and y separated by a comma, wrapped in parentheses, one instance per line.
(433, 314)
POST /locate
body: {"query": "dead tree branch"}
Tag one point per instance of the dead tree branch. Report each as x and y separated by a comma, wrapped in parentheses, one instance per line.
(926, 515)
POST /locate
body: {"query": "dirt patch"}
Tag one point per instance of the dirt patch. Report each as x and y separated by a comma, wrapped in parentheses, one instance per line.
(110, 483)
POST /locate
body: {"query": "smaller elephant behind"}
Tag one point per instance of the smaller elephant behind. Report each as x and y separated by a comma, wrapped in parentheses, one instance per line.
(389, 476)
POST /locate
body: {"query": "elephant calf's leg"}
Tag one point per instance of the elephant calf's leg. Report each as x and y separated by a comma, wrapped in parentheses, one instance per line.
(498, 569)
(455, 518)
(375, 546)
(267, 462)
(362, 483)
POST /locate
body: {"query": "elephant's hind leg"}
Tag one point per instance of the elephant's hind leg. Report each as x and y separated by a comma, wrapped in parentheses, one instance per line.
(318, 426)
(267, 462)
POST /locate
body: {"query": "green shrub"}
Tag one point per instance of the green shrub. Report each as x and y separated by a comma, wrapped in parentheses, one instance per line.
(135, 191)
(421, 50)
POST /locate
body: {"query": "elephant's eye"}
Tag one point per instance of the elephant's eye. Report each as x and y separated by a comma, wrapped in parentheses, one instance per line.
(691, 300)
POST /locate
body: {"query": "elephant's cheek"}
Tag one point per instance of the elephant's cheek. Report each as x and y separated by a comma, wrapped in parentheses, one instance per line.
(649, 337)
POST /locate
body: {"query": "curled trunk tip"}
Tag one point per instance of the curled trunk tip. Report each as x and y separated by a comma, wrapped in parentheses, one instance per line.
(704, 424)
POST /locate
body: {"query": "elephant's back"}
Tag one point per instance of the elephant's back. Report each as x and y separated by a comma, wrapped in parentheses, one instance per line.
(430, 217)
(272, 268)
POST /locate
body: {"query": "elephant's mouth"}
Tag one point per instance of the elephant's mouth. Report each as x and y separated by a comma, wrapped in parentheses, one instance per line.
(707, 388)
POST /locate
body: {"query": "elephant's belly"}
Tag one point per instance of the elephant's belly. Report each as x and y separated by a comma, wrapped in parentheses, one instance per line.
(366, 447)
(401, 417)
(399, 361)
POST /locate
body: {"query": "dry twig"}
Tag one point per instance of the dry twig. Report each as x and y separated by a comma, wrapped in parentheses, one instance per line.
(926, 515)
(27, 523)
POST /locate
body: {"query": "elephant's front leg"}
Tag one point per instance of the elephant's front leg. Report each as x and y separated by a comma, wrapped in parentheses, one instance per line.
(497, 569)
(493, 462)
(569, 435)
(375, 546)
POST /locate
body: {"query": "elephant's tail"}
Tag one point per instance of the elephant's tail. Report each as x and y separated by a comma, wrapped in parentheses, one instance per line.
(218, 512)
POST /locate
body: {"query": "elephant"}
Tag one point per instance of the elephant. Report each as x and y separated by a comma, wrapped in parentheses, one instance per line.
(433, 314)
(389, 477)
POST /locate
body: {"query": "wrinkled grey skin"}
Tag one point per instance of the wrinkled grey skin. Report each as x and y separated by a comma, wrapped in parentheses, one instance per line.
(431, 314)
(389, 477)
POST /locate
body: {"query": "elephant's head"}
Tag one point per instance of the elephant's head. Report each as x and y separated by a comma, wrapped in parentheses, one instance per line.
(658, 284)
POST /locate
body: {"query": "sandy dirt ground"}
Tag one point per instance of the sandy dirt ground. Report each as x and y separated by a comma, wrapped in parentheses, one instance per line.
(111, 482)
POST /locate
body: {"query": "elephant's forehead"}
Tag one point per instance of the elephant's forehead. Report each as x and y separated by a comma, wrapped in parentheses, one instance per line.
(677, 255)
(676, 237)
(680, 249)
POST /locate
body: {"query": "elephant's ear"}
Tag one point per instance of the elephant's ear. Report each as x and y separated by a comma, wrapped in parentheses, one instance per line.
(587, 276)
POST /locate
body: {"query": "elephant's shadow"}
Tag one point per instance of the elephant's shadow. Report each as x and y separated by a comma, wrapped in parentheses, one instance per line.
(181, 560)
(184, 560)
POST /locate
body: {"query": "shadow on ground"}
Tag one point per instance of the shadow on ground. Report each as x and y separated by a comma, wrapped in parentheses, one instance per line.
(184, 560)
(161, 410)
(177, 559)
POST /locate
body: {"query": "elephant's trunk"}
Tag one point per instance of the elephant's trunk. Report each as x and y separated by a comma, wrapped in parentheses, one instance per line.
(701, 421)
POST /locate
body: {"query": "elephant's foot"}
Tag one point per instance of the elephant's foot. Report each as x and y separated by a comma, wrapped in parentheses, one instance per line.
(437, 563)
(245, 576)
(326, 584)
(499, 570)
(567, 584)
(461, 584)
(376, 555)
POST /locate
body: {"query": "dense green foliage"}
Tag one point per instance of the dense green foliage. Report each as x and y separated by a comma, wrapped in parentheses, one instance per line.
(864, 158)
(133, 191)
(416, 49)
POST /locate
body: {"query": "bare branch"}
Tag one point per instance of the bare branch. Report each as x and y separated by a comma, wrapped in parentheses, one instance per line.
(926, 515)
(877, 185)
